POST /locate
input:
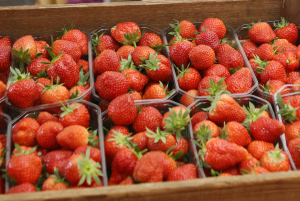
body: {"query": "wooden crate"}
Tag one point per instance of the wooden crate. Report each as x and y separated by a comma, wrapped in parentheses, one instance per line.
(40, 19)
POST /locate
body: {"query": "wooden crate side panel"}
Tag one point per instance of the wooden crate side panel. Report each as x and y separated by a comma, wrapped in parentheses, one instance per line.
(290, 10)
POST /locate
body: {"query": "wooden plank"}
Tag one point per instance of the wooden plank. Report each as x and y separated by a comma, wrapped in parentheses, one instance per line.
(273, 186)
(290, 10)
(44, 18)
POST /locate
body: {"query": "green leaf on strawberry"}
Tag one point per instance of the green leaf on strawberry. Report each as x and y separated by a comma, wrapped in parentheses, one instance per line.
(252, 113)
(215, 88)
(132, 39)
(126, 64)
(122, 139)
(159, 135)
(67, 110)
(286, 112)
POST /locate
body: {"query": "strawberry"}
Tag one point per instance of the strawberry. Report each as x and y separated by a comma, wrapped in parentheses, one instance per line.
(223, 47)
(40, 50)
(82, 87)
(214, 24)
(293, 146)
(186, 99)
(149, 118)
(156, 91)
(72, 137)
(74, 114)
(254, 113)
(107, 60)
(67, 47)
(272, 86)
(141, 140)
(5, 52)
(181, 147)
(84, 65)
(275, 160)
(198, 117)
(136, 79)
(56, 159)
(259, 170)
(179, 52)
(82, 170)
(261, 32)
(202, 57)
(124, 51)
(289, 107)
(249, 47)
(258, 148)
(150, 39)
(54, 182)
(46, 134)
(298, 52)
(140, 54)
(240, 81)
(37, 66)
(111, 84)
(22, 188)
(292, 131)
(225, 109)
(24, 168)
(232, 171)
(185, 28)
(265, 52)
(285, 30)
(122, 110)
(4, 76)
(24, 132)
(209, 38)
(248, 164)
(283, 45)
(22, 91)
(217, 70)
(266, 129)
(225, 175)
(75, 35)
(211, 85)
(206, 126)
(135, 95)
(40, 83)
(128, 33)
(185, 172)
(236, 133)
(95, 153)
(54, 93)
(104, 42)
(160, 141)
(41, 153)
(188, 78)
(292, 61)
(127, 181)
(231, 59)
(2, 89)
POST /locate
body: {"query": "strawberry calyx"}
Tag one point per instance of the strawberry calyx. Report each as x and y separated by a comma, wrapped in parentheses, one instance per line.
(152, 64)
(281, 24)
(96, 41)
(159, 135)
(176, 122)
(67, 110)
(132, 38)
(22, 57)
(42, 74)
(215, 88)
(215, 173)
(23, 152)
(65, 30)
(170, 153)
(166, 88)
(234, 70)
(18, 76)
(158, 48)
(83, 78)
(276, 155)
(214, 101)
(58, 178)
(136, 150)
(182, 71)
(252, 113)
(126, 64)
(75, 94)
(52, 55)
(288, 112)
(203, 132)
(266, 88)
(88, 169)
(262, 64)
(51, 86)
(122, 139)
(223, 135)
(92, 140)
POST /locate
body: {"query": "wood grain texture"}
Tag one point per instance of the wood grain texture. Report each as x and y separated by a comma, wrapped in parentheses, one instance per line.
(39, 19)
(291, 10)
(274, 186)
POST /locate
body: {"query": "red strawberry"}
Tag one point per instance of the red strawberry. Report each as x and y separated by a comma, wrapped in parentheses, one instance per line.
(40, 83)
(56, 159)
(124, 51)
(261, 32)
(54, 93)
(141, 140)
(95, 153)
(248, 164)
(24, 132)
(127, 33)
(209, 38)
(206, 126)
(75, 35)
(222, 49)
(202, 57)
(54, 182)
(4, 76)
(141, 52)
(67, 47)
(249, 47)
(122, 110)
(236, 133)
(41, 153)
(2, 89)
(182, 147)
(136, 79)
(22, 188)
(217, 70)
(259, 170)
(214, 24)
(135, 95)
(288, 31)
(292, 61)
(186, 29)
(75, 114)
(211, 85)
(84, 65)
(150, 39)
(43, 53)
(127, 181)
(293, 147)
(5, 49)
(21, 45)
(292, 77)
(283, 45)
(231, 59)
(185, 172)
(37, 66)
(292, 131)
(107, 60)
(149, 118)
(186, 99)
(160, 141)
(240, 81)
(82, 87)
(111, 84)
(272, 86)
(232, 170)
(156, 91)
(72, 137)
(258, 148)
(198, 117)
(265, 52)
(179, 52)
(104, 42)
(46, 134)
(188, 78)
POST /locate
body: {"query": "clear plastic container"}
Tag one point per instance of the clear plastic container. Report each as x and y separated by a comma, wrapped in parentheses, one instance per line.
(242, 33)
(95, 123)
(144, 28)
(231, 35)
(198, 106)
(163, 107)
(47, 37)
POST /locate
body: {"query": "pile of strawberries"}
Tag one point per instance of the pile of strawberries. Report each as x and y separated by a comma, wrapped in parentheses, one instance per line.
(235, 140)
(130, 61)
(45, 74)
(5, 62)
(206, 63)
(54, 152)
(273, 55)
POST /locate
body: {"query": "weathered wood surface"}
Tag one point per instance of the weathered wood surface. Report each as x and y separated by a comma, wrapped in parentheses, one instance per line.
(291, 10)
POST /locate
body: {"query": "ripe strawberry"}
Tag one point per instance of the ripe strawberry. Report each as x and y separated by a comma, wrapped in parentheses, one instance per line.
(54, 182)
(292, 77)
(185, 172)
(104, 42)
(22, 188)
(54, 93)
(181, 148)
(24, 168)
(225, 175)
(84, 65)
(82, 87)
(232, 170)
(275, 160)
(283, 45)
(136, 79)
(56, 159)
(202, 57)
(135, 95)
(214, 24)
(4, 76)
(217, 70)
(24, 48)
(240, 81)
(185, 28)
(254, 113)
(288, 31)
(249, 47)
(266, 129)
(46, 134)
(95, 153)
(211, 85)
(258, 148)
(272, 86)
(236, 133)
(22, 91)
(231, 59)
(179, 52)
(150, 39)
(5, 52)
(37, 66)
(265, 52)
(160, 141)
(122, 110)
(41, 153)
(186, 99)
(40, 83)
(261, 32)
(107, 60)
(2, 89)
(149, 118)
(124, 51)
(127, 181)
(248, 164)
(141, 52)
(40, 50)
(292, 61)
(75, 114)
(209, 38)
(225, 109)
(223, 47)
(289, 107)
(24, 132)
(292, 131)
(259, 170)
(293, 146)
(141, 140)
(82, 170)
(198, 117)
(67, 47)
(156, 91)
(128, 33)
(205, 126)
(72, 137)
(188, 78)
